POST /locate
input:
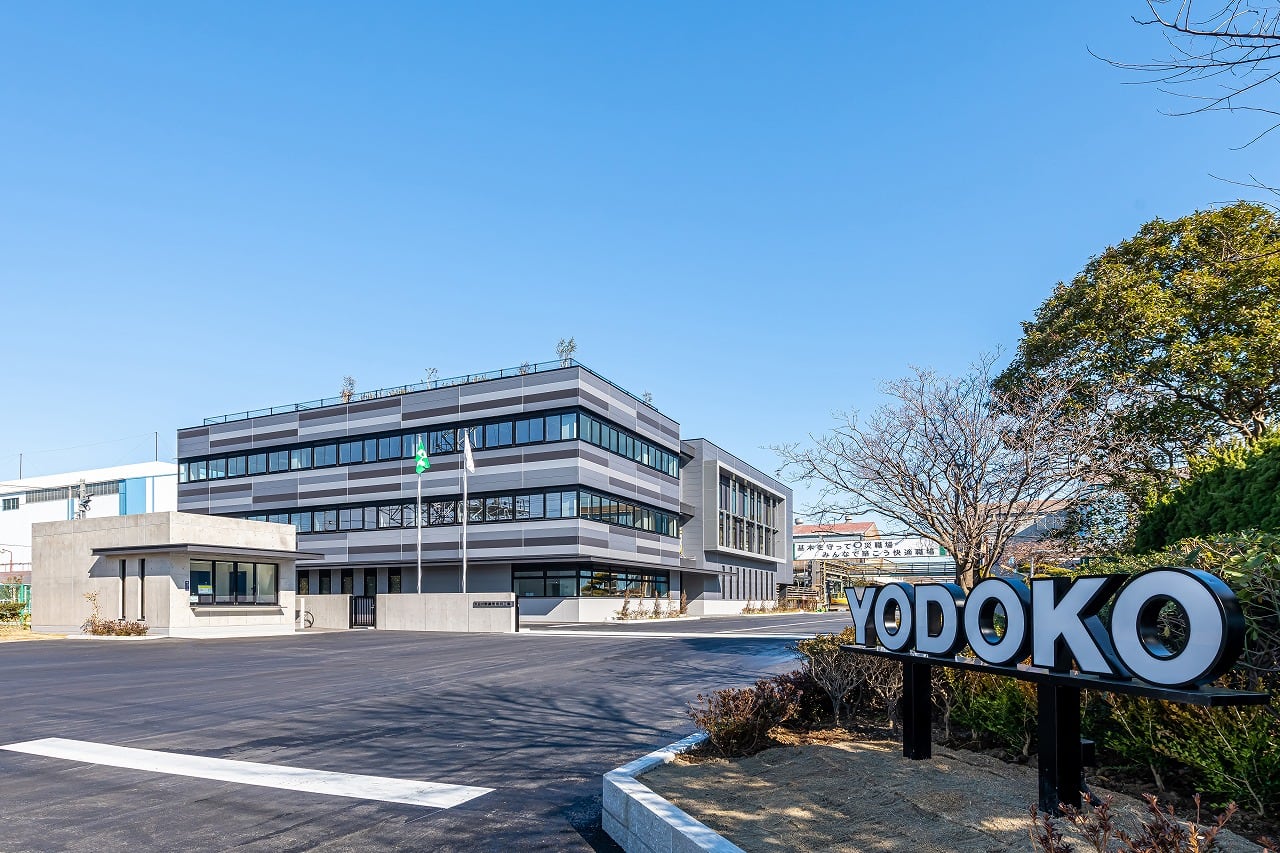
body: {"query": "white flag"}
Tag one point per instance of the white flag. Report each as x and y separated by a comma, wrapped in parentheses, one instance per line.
(466, 452)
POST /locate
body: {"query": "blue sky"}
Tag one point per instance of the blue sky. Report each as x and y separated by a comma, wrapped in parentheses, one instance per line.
(754, 211)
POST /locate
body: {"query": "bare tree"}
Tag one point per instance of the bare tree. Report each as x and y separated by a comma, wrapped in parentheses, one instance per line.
(348, 388)
(1223, 58)
(958, 463)
(432, 375)
(565, 349)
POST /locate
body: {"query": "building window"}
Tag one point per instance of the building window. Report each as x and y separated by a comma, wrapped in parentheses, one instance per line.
(10, 503)
(595, 582)
(394, 581)
(304, 583)
(389, 447)
(227, 582)
(747, 517)
(326, 582)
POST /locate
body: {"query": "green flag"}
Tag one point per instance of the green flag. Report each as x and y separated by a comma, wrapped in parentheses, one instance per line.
(421, 458)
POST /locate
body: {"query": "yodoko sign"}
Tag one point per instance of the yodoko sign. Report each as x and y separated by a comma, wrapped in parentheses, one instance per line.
(1058, 623)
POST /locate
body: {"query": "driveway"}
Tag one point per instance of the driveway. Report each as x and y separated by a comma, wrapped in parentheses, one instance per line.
(531, 719)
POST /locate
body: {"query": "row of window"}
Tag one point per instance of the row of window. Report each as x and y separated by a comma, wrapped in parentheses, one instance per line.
(559, 582)
(575, 503)
(347, 582)
(228, 582)
(62, 493)
(561, 426)
(748, 518)
(553, 581)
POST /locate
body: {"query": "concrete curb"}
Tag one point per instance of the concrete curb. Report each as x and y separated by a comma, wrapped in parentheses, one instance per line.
(643, 822)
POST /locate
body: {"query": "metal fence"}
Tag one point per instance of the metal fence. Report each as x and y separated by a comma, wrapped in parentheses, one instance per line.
(465, 379)
(19, 592)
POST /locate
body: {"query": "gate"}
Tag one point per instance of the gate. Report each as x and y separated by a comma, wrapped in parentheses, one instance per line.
(363, 611)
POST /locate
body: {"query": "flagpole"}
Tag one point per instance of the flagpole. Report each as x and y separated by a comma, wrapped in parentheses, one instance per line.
(465, 514)
(417, 519)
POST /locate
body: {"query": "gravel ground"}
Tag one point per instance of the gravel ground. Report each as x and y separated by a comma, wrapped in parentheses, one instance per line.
(866, 797)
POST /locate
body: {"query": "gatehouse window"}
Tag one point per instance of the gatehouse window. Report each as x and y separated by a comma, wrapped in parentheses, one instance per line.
(230, 582)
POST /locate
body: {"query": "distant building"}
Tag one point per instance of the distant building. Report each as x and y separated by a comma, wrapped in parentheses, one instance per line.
(121, 490)
(827, 556)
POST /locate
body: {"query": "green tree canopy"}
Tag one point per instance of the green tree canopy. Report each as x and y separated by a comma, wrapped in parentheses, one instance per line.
(1178, 326)
(1231, 489)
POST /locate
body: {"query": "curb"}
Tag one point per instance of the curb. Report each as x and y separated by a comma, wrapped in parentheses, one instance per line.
(640, 821)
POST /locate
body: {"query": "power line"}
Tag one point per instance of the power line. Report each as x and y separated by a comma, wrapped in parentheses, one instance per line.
(147, 434)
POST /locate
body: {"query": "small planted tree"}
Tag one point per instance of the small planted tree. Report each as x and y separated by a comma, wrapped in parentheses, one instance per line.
(565, 350)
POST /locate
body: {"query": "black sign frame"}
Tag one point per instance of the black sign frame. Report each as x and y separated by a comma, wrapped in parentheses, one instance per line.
(1060, 759)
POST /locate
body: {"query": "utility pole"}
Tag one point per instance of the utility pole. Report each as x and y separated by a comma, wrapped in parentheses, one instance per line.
(157, 445)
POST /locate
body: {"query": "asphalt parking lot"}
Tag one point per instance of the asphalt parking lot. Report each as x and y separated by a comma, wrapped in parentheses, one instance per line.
(536, 717)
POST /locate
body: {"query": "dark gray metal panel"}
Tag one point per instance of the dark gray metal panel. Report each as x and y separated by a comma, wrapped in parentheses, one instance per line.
(272, 435)
(366, 407)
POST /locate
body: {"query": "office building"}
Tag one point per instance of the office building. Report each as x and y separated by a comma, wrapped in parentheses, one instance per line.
(581, 494)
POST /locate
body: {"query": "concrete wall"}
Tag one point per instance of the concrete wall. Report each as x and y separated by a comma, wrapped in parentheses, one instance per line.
(585, 609)
(446, 612)
(64, 569)
(716, 607)
(328, 611)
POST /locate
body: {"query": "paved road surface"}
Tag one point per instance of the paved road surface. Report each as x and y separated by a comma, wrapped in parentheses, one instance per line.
(536, 717)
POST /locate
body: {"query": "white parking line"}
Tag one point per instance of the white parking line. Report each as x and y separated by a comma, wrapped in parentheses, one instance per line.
(672, 635)
(787, 625)
(430, 794)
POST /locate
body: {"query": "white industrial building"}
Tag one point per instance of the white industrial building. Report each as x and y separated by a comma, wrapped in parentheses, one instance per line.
(120, 490)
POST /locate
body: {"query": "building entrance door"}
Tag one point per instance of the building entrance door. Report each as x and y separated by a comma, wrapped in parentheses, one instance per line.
(364, 611)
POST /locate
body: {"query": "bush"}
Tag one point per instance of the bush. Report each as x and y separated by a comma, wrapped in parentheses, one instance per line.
(997, 710)
(813, 707)
(100, 627)
(11, 611)
(737, 720)
(839, 674)
(1231, 489)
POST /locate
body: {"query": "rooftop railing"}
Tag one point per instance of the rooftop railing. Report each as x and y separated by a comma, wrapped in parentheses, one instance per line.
(427, 385)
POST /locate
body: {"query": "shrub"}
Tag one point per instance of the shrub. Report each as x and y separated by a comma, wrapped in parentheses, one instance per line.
(813, 706)
(1231, 488)
(737, 720)
(997, 710)
(839, 674)
(1159, 832)
(100, 627)
(11, 611)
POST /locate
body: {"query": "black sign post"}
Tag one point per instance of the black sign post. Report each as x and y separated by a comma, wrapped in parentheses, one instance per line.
(1057, 624)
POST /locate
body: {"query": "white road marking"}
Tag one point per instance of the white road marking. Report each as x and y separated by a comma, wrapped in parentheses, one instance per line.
(787, 625)
(430, 794)
(654, 635)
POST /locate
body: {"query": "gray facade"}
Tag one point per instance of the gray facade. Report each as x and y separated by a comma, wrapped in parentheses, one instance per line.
(617, 474)
(727, 570)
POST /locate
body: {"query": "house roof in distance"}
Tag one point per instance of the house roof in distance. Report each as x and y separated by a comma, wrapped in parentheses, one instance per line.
(845, 528)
